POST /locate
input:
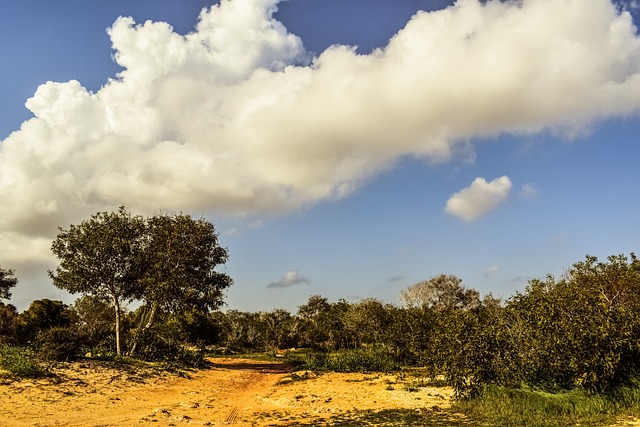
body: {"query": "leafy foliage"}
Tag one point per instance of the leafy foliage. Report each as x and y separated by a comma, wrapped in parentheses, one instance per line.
(95, 323)
(366, 359)
(101, 257)
(19, 361)
(578, 332)
(180, 260)
(167, 262)
(42, 315)
(7, 281)
(60, 343)
(440, 292)
(8, 316)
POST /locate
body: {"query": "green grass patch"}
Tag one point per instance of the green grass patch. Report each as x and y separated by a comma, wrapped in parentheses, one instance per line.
(535, 408)
(359, 360)
(19, 362)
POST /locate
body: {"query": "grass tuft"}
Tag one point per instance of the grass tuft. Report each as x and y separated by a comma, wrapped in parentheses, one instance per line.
(20, 362)
(535, 408)
(359, 360)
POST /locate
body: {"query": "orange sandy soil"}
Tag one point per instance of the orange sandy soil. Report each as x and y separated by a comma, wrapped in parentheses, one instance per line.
(230, 392)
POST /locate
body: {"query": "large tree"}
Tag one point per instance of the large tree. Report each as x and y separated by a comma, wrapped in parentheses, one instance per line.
(7, 281)
(102, 257)
(181, 256)
(168, 262)
(440, 292)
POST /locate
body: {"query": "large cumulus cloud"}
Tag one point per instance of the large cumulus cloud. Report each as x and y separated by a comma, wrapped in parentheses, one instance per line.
(237, 116)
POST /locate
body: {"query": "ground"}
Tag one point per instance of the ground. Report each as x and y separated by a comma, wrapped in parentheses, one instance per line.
(230, 392)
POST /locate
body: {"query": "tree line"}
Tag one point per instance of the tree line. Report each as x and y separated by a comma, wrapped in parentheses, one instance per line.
(581, 330)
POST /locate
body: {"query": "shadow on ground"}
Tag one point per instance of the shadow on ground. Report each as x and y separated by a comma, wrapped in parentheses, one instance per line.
(270, 368)
(386, 417)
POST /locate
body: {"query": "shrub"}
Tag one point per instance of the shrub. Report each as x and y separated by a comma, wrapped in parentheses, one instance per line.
(366, 359)
(58, 344)
(158, 345)
(577, 332)
(526, 407)
(19, 361)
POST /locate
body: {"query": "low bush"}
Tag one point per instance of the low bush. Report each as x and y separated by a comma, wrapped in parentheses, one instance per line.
(19, 361)
(155, 346)
(60, 344)
(359, 360)
(526, 407)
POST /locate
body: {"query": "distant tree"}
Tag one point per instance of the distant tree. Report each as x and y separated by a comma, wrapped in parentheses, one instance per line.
(41, 315)
(8, 315)
(181, 255)
(7, 281)
(102, 257)
(195, 327)
(277, 329)
(580, 331)
(240, 331)
(440, 292)
(314, 318)
(95, 319)
(368, 321)
(321, 324)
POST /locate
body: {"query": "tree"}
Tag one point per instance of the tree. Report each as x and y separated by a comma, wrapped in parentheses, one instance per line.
(7, 281)
(577, 332)
(41, 315)
(367, 322)
(440, 292)
(8, 315)
(95, 320)
(314, 318)
(102, 257)
(181, 256)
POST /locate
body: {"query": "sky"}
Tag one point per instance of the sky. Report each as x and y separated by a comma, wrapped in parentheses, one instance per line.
(341, 148)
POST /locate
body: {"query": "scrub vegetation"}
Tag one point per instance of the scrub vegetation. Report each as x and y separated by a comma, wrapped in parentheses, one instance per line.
(564, 351)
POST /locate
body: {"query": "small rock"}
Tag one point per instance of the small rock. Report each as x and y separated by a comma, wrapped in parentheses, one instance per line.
(191, 405)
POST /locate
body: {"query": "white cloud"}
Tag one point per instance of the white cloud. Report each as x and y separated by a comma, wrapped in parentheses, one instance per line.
(236, 117)
(492, 271)
(529, 191)
(290, 278)
(479, 198)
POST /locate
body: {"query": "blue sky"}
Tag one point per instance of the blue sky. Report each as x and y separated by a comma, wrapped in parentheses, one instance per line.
(496, 143)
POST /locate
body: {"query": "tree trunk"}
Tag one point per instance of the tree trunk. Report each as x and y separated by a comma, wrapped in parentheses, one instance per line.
(141, 329)
(116, 304)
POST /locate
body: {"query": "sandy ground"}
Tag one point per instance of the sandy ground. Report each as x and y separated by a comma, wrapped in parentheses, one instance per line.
(232, 392)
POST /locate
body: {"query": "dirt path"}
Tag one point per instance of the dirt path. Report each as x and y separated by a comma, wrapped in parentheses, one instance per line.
(232, 392)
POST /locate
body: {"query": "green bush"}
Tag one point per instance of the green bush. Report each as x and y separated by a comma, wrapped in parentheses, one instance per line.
(158, 345)
(366, 359)
(578, 332)
(19, 361)
(58, 344)
(527, 407)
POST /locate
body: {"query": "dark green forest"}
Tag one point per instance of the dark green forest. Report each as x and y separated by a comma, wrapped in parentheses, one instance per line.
(580, 331)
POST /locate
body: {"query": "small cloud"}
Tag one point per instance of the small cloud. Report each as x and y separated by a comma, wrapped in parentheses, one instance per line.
(397, 278)
(529, 191)
(479, 198)
(521, 280)
(492, 271)
(238, 228)
(559, 238)
(290, 278)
